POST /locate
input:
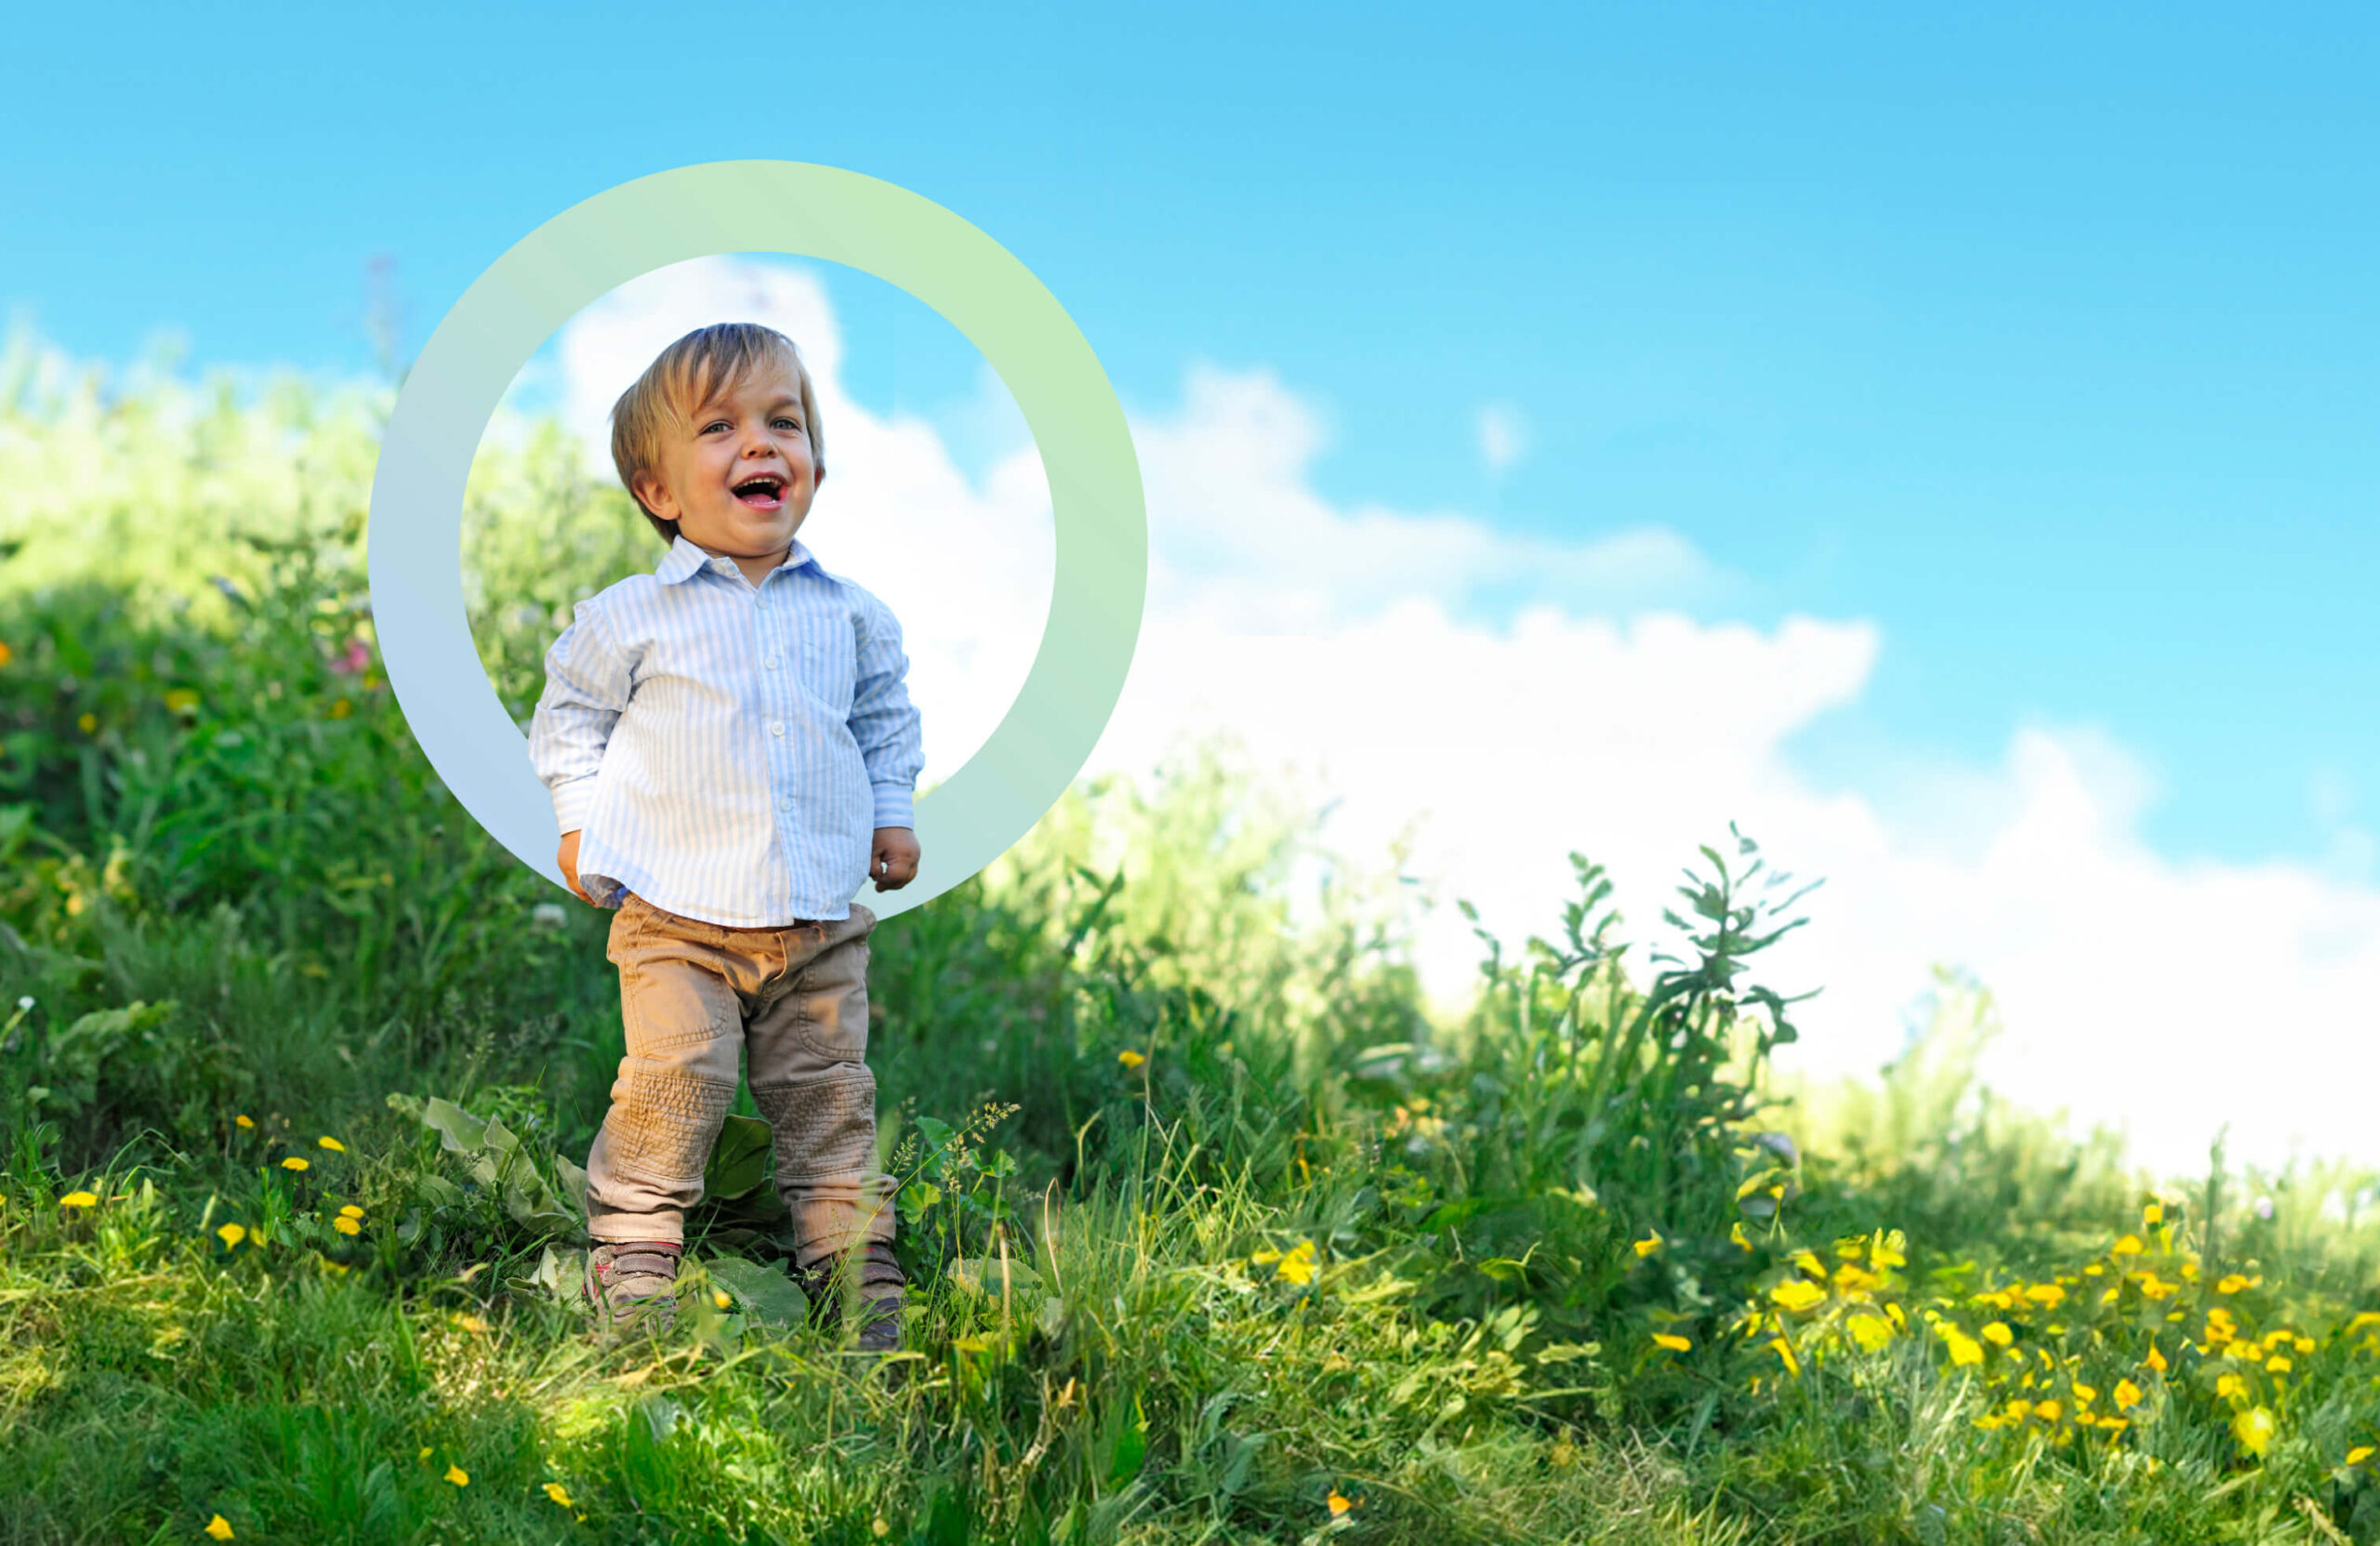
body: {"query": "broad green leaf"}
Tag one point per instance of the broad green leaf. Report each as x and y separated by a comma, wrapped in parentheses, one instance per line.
(764, 1293)
(739, 1160)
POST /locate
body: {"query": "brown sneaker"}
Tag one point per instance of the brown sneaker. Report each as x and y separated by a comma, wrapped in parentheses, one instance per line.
(881, 1287)
(633, 1283)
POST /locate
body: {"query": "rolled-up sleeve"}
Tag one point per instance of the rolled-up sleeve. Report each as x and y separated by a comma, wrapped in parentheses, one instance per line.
(587, 688)
(883, 720)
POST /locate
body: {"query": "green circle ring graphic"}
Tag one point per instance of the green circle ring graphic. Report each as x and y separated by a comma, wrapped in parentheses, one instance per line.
(414, 548)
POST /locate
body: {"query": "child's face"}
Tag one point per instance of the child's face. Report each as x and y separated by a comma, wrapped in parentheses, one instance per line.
(737, 477)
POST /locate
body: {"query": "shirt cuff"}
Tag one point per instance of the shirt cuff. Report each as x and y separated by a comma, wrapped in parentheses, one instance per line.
(573, 804)
(894, 806)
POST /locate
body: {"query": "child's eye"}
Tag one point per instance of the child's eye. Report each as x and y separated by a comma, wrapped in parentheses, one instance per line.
(789, 424)
(715, 424)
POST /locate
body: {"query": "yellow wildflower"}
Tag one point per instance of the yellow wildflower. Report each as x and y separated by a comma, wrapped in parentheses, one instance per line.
(2153, 1214)
(2368, 1317)
(182, 699)
(1675, 1344)
(244, 1120)
(2254, 1429)
(718, 1297)
(1885, 1256)
(2048, 1295)
(219, 1527)
(1736, 1233)
(346, 1225)
(2304, 1344)
(333, 1145)
(1339, 1505)
(559, 1493)
(1796, 1294)
(2128, 1245)
(1998, 1334)
(1899, 1320)
(1298, 1266)
(341, 709)
(1650, 1243)
(2229, 1386)
(2019, 1409)
(7, 654)
(2359, 1454)
(1853, 1278)
(1869, 1331)
(2278, 1365)
(293, 1163)
(2156, 1359)
(2049, 1411)
(2127, 1393)
(457, 1476)
(1785, 1351)
(1963, 1348)
(87, 725)
(425, 1453)
(1809, 1263)
(470, 1323)
(232, 1233)
(2232, 1283)
(77, 1199)
(1129, 1058)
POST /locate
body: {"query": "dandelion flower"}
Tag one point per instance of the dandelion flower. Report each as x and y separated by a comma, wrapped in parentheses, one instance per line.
(559, 1493)
(333, 1145)
(1963, 1348)
(1675, 1344)
(1129, 1058)
(77, 1199)
(2049, 1411)
(219, 1527)
(2278, 1365)
(2231, 1283)
(1298, 1266)
(232, 1233)
(244, 1120)
(2229, 1386)
(346, 1225)
(1339, 1505)
(293, 1163)
(2128, 1245)
(1998, 1334)
(2304, 1344)
(351, 1212)
(2254, 1429)
(457, 1476)
(2153, 1214)
(2127, 1393)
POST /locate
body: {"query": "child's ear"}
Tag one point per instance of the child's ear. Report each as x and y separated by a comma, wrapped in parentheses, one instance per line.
(649, 488)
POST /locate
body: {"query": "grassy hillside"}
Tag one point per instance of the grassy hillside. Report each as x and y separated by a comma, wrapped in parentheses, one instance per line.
(1218, 1236)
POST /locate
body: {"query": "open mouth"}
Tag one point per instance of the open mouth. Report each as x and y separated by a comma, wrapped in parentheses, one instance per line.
(764, 492)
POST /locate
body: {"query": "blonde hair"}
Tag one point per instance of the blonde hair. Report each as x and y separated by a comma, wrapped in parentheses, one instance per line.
(687, 375)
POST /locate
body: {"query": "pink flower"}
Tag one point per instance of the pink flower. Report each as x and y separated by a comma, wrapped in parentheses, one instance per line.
(359, 655)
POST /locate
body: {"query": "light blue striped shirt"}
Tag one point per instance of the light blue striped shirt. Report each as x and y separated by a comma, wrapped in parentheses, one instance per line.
(725, 751)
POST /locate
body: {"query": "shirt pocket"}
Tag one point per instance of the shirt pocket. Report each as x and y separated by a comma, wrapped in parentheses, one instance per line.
(829, 661)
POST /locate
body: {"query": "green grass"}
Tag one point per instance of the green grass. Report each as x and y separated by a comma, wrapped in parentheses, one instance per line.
(1303, 1242)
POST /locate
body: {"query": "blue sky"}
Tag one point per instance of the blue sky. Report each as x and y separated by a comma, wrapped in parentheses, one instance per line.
(2045, 341)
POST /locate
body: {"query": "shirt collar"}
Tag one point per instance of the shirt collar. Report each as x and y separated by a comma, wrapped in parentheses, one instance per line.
(684, 559)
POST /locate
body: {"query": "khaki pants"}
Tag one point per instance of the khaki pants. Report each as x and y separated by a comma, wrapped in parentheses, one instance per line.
(693, 995)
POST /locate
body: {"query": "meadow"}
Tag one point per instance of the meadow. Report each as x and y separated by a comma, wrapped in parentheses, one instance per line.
(1217, 1234)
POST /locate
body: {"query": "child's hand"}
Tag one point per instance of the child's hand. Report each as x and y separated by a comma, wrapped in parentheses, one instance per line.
(569, 858)
(894, 862)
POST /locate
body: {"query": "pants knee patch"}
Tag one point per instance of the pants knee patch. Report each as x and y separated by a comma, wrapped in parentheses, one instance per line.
(822, 1129)
(666, 1120)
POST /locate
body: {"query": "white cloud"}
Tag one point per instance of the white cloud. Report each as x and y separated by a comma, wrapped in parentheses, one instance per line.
(1338, 644)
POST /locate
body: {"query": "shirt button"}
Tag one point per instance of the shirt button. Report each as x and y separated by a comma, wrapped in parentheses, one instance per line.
(786, 805)
(776, 727)
(772, 662)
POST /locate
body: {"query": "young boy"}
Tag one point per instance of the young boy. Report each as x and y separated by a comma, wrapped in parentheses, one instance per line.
(732, 753)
